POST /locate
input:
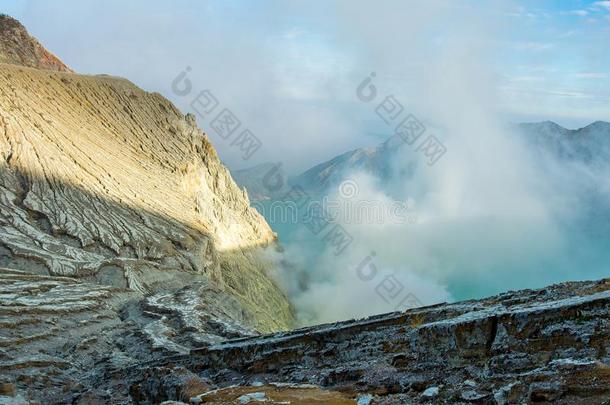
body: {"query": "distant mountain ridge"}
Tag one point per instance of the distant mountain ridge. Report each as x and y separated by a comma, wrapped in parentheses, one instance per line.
(262, 182)
(587, 144)
(374, 160)
(550, 127)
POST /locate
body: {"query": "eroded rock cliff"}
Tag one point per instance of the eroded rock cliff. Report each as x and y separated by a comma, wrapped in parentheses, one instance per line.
(105, 182)
(117, 219)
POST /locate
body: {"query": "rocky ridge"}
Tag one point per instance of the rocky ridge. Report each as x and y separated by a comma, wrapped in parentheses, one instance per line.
(548, 346)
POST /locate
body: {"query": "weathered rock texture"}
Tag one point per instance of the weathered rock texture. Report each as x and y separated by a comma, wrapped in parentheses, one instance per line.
(103, 181)
(18, 47)
(60, 336)
(121, 233)
(72, 342)
(122, 236)
(550, 346)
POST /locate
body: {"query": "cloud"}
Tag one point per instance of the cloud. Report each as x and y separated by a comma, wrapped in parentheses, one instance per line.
(490, 215)
(278, 73)
(288, 70)
(517, 79)
(473, 207)
(534, 46)
(567, 34)
(581, 13)
(602, 4)
(590, 75)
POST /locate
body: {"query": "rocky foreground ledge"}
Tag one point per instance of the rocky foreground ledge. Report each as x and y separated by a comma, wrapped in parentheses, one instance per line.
(550, 345)
(64, 341)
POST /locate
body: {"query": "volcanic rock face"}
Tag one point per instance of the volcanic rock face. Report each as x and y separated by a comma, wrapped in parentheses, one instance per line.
(60, 336)
(122, 236)
(19, 48)
(103, 181)
(550, 346)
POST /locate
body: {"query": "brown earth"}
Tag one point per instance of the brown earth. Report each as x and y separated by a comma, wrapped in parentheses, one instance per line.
(20, 48)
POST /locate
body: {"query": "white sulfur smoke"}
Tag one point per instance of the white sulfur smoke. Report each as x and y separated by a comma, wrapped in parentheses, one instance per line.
(490, 216)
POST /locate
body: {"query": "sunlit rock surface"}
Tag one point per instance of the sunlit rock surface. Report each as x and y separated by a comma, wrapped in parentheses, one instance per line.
(105, 182)
(122, 236)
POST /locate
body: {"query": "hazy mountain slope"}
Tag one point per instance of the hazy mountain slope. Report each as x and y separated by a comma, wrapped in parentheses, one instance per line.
(266, 181)
(19, 48)
(378, 161)
(590, 144)
(375, 160)
(262, 182)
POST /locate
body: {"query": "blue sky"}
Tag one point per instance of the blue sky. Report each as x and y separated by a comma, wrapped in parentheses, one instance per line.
(289, 69)
(559, 66)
